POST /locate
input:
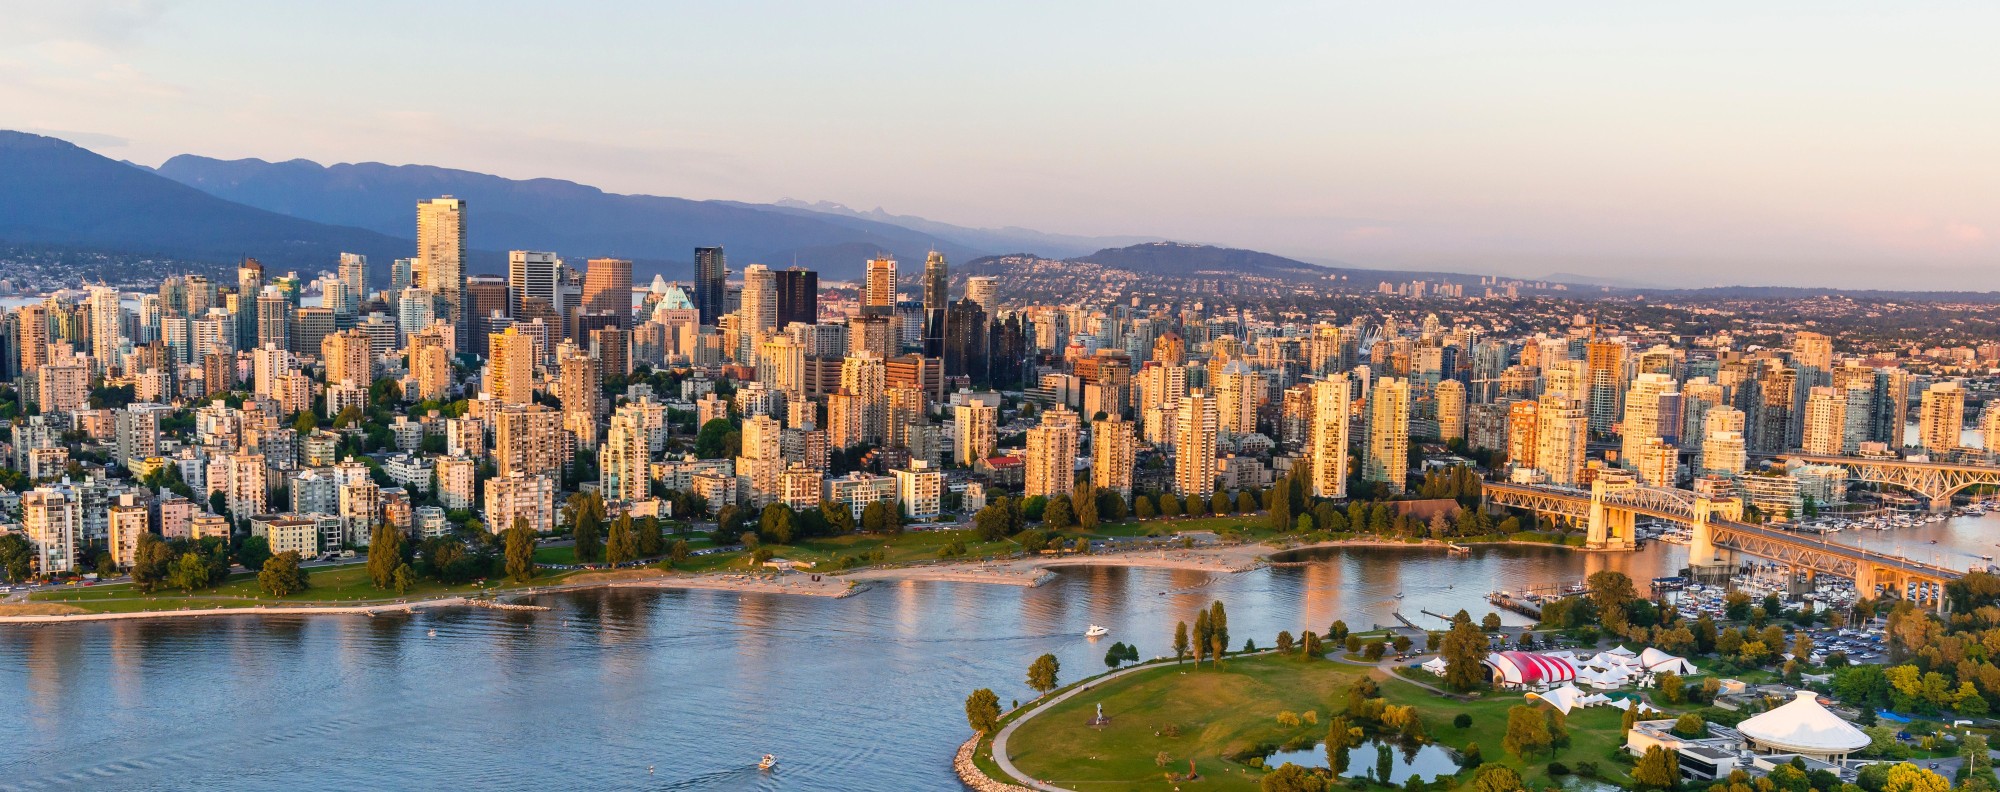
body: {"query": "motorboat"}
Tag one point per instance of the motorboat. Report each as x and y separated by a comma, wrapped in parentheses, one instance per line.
(1095, 631)
(767, 762)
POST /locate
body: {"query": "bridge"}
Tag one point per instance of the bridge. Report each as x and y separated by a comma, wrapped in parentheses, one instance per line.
(1608, 514)
(1936, 481)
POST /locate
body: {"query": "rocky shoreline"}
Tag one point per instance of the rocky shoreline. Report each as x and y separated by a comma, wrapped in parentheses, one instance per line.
(975, 778)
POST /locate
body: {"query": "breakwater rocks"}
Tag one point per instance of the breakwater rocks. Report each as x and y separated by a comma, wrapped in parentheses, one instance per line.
(975, 778)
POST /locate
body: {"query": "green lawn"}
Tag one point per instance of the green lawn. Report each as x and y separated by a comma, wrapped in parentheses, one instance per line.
(1225, 714)
(1593, 730)
(556, 555)
(1250, 524)
(1218, 714)
(339, 585)
(910, 547)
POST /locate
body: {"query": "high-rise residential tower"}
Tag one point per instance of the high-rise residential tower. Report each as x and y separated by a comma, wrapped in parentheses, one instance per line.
(1941, 417)
(759, 304)
(440, 263)
(1194, 446)
(1388, 460)
(1330, 404)
(354, 273)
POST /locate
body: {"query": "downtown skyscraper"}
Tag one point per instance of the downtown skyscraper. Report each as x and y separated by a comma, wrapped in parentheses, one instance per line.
(711, 271)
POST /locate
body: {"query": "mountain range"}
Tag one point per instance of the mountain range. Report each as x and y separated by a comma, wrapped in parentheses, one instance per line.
(54, 193)
(298, 215)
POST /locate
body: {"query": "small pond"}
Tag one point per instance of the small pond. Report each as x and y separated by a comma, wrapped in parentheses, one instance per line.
(1387, 763)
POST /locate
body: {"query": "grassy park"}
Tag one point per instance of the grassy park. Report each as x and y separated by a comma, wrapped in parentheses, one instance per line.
(344, 585)
(1223, 718)
(1217, 714)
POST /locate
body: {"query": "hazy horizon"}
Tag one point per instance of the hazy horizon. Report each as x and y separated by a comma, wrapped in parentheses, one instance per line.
(1809, 145)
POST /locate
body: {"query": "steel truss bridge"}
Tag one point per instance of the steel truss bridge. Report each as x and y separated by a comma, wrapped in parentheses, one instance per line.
(1936, 481)
(1607, 511)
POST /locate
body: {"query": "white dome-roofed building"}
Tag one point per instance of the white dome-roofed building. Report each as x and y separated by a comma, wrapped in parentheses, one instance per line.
(1803, 727)
(1527, 669)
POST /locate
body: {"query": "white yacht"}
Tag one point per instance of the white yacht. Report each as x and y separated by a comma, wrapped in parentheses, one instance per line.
(1095, 631)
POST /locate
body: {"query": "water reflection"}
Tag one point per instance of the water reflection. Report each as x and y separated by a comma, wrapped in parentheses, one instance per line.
(861, 693)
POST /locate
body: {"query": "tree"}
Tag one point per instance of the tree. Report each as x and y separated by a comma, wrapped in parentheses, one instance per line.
(17, 557)
(1042, 674)
(1218, 627)
(1291, 778)
(253, 553)
(520, 551)
(648, 531)
(709, 442)
(1610, 590)
(403, 578)
(1281, 505)
(1527, 732)
(1402, 643)
(775, 524)
(188, 573)
(1218, 503)
(1462, 721)
(589, 542)
(1906, 777)
(1245, 502)
(622, 545)
(1083, 504)
(1657, 769)
(1115, 655)
(840, 517)
(1310, 647)
(991, 523)
(1201, 635)
(1058, 516)
(879, 517)
(150, 563)
(1496, 778)
(1337, 632)
(281, 575)
(680, 552)
(1180, 641)
(1691, 726)
(1144, 508)
(385, 553)
(982, 711)
(1491, 622)
(1284, 642)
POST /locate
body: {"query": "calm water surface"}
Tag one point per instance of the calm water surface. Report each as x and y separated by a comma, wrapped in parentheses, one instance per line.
(863, 693)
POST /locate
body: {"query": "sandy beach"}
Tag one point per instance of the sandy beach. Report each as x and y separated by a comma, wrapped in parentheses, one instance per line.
(1024, 572)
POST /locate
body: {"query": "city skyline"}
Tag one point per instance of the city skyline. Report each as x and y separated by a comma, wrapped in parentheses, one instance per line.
(1697, 146)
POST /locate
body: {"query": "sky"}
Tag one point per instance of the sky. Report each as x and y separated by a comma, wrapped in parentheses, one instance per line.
(1809, 144)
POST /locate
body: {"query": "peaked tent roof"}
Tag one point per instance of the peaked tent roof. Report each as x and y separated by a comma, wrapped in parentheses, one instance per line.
(1804, 726)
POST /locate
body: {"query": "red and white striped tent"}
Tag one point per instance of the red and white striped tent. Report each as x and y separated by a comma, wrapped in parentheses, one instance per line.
(1527, 669)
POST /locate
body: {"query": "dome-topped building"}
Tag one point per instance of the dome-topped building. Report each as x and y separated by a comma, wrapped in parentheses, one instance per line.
(1803, 727)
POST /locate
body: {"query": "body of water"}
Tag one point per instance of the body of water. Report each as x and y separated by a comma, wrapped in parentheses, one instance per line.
(862, 693)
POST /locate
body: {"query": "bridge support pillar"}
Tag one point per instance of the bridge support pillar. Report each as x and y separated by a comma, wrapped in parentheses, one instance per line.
(1706, 562)
(1865, 580)
(1610, 527)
